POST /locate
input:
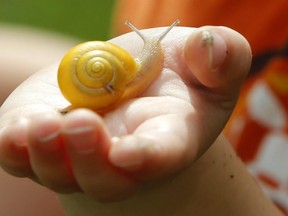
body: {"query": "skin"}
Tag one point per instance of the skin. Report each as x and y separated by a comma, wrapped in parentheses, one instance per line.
(130, 153)
(216, 184)
(24, 51)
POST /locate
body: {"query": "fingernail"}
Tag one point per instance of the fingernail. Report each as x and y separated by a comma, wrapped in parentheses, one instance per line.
(216, 48)
(49, 141)
(20, 128)
(45, 131)
(127, 154)
(82, 139)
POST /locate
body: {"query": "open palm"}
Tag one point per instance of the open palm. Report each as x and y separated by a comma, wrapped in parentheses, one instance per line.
(147, 138)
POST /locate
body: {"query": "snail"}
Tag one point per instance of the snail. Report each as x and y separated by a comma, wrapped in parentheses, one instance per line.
(98, 74)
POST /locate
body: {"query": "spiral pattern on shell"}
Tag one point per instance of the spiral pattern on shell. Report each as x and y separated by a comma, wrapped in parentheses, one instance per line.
(95, 74)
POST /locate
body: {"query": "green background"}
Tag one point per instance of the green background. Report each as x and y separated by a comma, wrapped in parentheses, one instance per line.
(84, 19)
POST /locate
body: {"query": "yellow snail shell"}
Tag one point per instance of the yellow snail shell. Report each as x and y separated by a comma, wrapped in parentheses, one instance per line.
(94, 74)
(99, 74)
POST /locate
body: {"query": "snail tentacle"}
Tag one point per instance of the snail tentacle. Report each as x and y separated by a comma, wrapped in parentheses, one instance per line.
(176, 22)
(137, 31)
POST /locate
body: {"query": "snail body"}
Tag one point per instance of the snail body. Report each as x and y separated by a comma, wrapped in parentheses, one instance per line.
(99, 74)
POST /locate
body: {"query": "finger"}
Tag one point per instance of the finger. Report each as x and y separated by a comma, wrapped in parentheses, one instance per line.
(14, 157)
(158, 148)
(218, 58)
(47, 155)
(88, 144)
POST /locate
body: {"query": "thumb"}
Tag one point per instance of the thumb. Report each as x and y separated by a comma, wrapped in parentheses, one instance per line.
(219, 59)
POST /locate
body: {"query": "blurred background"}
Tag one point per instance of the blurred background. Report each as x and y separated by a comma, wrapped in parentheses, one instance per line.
(85, 19)
(35, 34)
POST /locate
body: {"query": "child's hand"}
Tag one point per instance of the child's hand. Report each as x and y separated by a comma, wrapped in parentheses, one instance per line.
(145, 139)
